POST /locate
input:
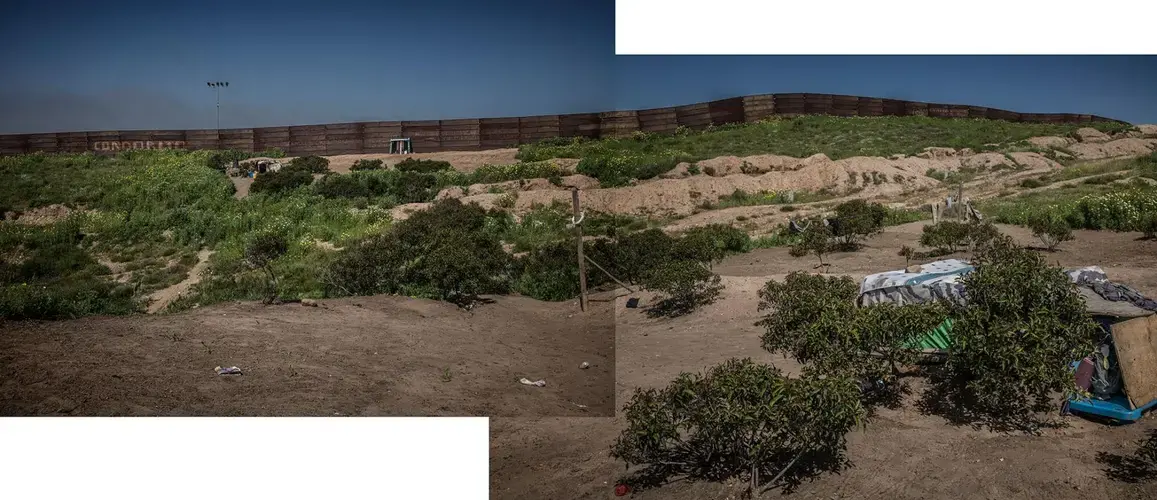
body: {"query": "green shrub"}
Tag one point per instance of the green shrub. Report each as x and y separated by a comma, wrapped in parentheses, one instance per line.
(366, 164)
(640, 252)
(281, 181)
(1013, 341)
(222, 160)
(65, 299)
(739, 419)
(550, 273)
(1031, 183)
(506, 201)
(450, 249)
(620, 169)
(710, 244)
(1050, 229)
(422, 166)
(490, 174)
(310, 164)
(684, 285)
(1149, 225)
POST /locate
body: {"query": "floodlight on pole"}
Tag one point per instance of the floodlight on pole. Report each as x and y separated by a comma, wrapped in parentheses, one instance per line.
(217, 87)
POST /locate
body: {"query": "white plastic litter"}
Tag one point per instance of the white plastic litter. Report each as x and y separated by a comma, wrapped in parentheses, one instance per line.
(585, 365)
(232, 370)
(536, 383)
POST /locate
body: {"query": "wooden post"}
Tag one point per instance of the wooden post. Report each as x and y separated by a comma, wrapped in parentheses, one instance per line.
(582, 265)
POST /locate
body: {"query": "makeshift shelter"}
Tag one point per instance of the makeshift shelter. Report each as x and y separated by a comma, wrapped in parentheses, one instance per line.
(1121, 376)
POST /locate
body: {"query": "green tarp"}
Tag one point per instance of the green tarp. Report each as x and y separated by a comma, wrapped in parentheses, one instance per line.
(939, 338)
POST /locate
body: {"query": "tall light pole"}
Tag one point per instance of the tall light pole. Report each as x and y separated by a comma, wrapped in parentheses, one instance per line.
(217, 87)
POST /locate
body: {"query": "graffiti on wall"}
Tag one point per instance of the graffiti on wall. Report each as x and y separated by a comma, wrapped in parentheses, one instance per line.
(126, 145)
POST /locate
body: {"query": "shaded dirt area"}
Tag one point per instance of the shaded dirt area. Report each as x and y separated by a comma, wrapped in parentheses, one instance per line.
(385, 356)
(901, 454)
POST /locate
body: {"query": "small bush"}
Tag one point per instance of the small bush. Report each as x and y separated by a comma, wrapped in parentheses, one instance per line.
(281, 181)
(422, 166)
(222, 160)
(365, 164)
(945, 237)
(856, 220)
(550, 273)
(1031, 183)
(639, 252)
(739, 419)
(710, 244)
(1050, 229)
(311, 164)
(506, 201)
(815, 240)
(1149, 225)
(685, 286)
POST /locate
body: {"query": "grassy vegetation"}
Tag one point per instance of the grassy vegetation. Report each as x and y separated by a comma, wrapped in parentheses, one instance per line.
(641, 156)
(1098, 202)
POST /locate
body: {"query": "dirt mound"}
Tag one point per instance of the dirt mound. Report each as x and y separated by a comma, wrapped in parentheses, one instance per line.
(1113, 148)
(41, 216)
(1093, 135)
(681, 193)
(1051, 142)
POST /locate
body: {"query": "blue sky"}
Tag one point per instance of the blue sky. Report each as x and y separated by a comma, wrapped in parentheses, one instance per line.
(112, 65)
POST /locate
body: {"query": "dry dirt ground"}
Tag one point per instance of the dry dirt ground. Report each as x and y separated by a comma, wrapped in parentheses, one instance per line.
(366, 356)
(902, 454)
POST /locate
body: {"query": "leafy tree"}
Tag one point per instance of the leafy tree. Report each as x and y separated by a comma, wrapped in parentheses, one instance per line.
(1013, 341)
(260, 254)
(740, 419)
(815, 240)
(1050, 229)
(686, 285)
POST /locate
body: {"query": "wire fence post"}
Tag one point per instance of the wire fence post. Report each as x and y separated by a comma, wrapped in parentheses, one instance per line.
(582, 265)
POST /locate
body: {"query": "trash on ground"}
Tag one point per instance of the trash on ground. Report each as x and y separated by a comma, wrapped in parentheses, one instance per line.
(536, 383)
(585, 365)
(632, 302)
(232, 370)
